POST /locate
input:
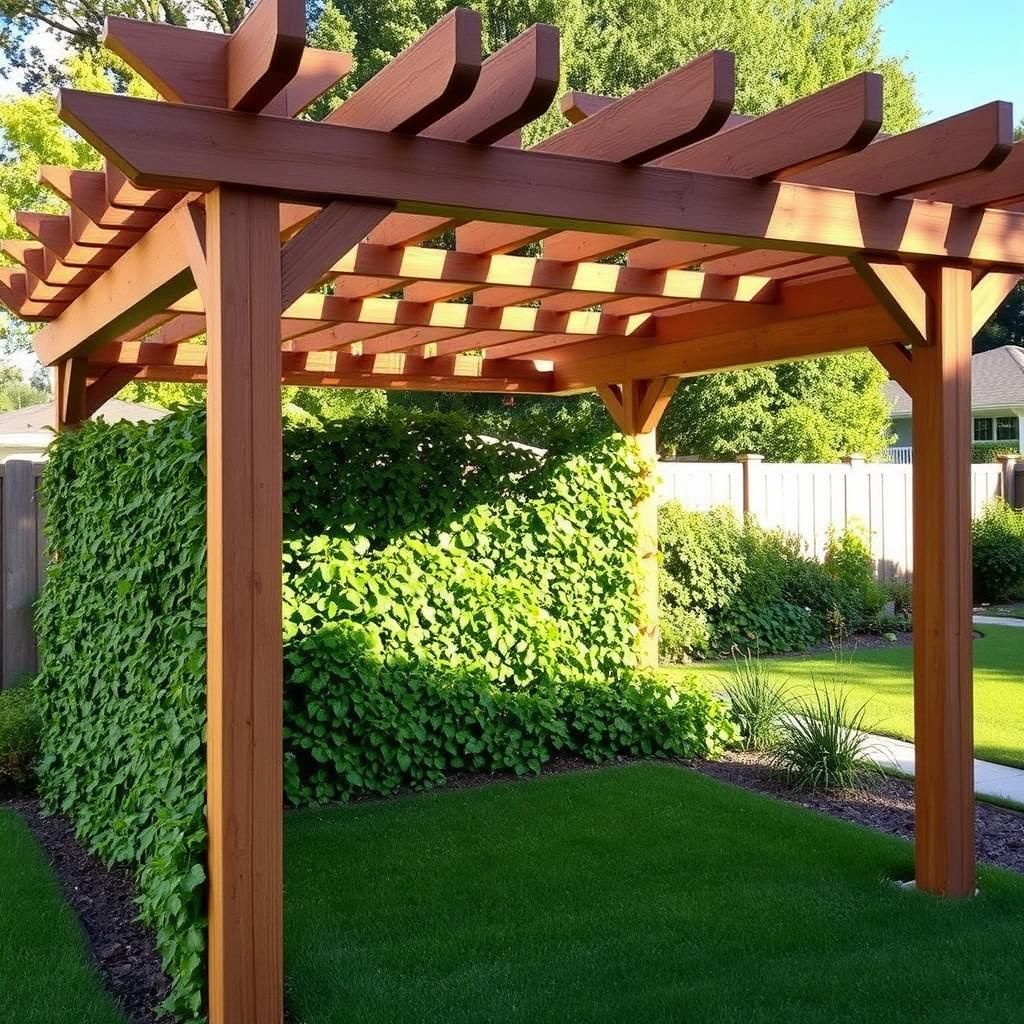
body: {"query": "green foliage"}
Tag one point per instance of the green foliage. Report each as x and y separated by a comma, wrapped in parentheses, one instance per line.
(728, 586)
(448, 603)
(989, 451)
(848, 561)
(998, 545)
(362, 721)
(817, 410)
(824, 742)
(121, 622)
(19, 737)
(757, 702)
(1006, 325)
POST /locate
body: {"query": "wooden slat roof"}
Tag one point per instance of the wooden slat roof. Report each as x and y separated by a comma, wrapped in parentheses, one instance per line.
(673, 237)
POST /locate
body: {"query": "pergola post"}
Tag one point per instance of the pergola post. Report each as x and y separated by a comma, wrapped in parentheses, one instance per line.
(244, 671)
(637, 407)
(943, 713)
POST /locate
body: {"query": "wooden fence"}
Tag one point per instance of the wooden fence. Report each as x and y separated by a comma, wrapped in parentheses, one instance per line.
(21, 553)
(810, 500)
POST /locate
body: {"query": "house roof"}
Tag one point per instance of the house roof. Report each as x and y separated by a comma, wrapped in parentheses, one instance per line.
(38, 419)
(997, 381)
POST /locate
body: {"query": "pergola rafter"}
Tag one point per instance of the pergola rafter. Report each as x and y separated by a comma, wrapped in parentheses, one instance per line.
(295, 248)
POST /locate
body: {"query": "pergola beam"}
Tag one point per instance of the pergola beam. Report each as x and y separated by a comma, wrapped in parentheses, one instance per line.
(162, 145)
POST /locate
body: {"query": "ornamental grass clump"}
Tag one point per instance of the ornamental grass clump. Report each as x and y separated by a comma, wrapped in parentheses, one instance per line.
(824, 742)
(758, 702)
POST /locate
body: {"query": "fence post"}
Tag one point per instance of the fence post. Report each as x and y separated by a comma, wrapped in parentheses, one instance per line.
(20, 584)
(1011, 465)
(753, 480)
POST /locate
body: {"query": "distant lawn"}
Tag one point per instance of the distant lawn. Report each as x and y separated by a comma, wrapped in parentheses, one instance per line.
(885, 679)
(46, 976)
(643, 894)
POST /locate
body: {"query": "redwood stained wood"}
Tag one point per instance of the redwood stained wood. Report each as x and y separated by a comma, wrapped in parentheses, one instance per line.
(989, 293)
(106, 386)
(430, 79)
(88, 191)
(69, 394)
(263, 54)
(163, 146)
(943, 713)
(899, 291)
(898, 363)
(146, 281)
(944, 151)
(1001, 186)
(687, 104)
(310, 254)
(244, 672)
(841, 119)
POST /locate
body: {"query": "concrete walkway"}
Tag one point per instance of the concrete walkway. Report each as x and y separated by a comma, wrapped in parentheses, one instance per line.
(995, 780)
(995, 620)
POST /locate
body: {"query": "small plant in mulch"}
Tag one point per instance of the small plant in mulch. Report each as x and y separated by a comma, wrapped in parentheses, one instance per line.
(758, 702)
(19, 739)
(825, 742)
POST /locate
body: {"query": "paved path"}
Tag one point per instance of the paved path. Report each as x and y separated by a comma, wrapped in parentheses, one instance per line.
(995, 620)
(990, 779)
(996, 780)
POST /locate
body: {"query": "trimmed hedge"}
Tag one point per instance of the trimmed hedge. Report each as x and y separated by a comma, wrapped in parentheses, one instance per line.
(449, 603)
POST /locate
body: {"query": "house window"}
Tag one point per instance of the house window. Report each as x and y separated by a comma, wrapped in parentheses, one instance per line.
(1007, 428)
(983, 429)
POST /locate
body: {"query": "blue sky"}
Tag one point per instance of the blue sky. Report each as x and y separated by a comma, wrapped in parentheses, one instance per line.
(964, 52)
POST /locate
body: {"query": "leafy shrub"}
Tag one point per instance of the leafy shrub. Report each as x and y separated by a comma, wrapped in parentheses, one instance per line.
(824, 742)
(998, 538)
(757, 702)
(728, 586)
(360, 721)
(500, 585)
(848, 561)
(19, 738)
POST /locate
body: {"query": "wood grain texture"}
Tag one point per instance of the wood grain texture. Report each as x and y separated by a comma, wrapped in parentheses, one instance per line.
(898, 363)
(425, 82)
(841, 119)
(944, 151)
(899, 291)
(167, 146)
(1001, 186)
(309, 255)
(263, 54)
(989, 293)
(244, 673)
(943, 712)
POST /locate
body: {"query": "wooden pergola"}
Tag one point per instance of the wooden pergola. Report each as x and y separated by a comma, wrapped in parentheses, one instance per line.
(746, 241)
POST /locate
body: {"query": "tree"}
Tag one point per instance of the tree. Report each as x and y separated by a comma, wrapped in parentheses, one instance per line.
(15, 393)
(817, 410)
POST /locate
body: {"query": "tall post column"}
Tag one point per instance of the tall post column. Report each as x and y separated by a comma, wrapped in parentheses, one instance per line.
(244, 684)
(637, 407)
(943, 712)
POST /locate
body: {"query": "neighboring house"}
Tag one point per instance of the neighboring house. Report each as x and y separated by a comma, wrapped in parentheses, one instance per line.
(29, 431)
(997, 403)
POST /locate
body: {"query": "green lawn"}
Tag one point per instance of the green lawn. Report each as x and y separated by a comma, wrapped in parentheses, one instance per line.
(884, 678)
(46, 975)
(641, 894)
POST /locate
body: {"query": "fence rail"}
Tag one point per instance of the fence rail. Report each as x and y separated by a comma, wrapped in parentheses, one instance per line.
(810, 500)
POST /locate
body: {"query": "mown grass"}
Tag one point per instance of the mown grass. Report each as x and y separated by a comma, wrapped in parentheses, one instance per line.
(644, 893)
(46, 976)
(884, 678)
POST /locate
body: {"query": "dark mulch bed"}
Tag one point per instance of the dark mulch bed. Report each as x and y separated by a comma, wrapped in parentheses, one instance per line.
(888, 806)
(104, 898)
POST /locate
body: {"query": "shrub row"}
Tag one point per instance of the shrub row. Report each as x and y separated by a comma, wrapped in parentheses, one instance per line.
(727, 585)
(449, 604)
(998, 537)
(19, 738)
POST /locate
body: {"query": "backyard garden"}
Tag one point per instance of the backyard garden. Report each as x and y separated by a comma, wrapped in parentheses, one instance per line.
(460, 616)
